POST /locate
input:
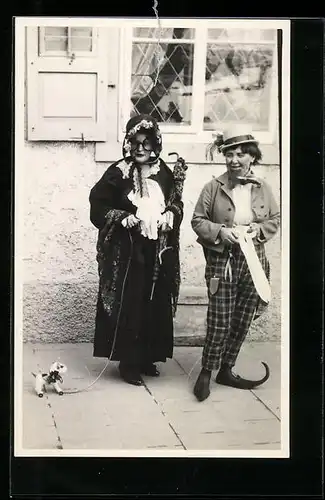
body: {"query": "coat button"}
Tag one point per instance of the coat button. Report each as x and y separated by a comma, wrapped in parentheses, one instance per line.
(229, 209)
(262, 206)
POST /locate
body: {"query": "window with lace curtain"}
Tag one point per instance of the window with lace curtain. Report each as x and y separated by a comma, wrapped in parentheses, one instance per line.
(202, 79)
(162, 74)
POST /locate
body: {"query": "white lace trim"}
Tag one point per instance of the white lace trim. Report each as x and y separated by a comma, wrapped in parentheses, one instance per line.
(143, 124)
(153, 170)
(125, 169)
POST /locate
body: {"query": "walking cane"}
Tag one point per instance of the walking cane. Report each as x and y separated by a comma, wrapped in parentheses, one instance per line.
(179, 177)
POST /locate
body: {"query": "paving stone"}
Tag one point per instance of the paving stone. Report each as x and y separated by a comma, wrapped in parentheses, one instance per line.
(162, 416)
(38, 428)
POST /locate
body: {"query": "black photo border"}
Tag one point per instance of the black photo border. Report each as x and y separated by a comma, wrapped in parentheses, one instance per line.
(301, 474)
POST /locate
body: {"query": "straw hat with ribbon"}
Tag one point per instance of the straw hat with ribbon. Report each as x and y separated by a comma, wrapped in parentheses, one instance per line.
(233, 136)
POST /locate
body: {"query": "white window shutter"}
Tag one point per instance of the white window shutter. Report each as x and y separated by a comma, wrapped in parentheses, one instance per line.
(66, 96)
(111, 149)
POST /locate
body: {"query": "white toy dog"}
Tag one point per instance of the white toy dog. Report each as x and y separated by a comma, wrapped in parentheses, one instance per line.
(52, 378)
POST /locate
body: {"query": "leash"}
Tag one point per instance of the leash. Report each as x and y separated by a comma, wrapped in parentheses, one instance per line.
(76, 391)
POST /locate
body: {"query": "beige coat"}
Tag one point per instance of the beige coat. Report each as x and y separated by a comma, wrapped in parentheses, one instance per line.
(215, 208)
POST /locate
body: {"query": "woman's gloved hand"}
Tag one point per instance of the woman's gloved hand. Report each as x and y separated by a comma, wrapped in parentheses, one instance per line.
(166, 221)
(130, 221)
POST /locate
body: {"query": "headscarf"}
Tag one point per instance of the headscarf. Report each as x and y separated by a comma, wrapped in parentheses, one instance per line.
(144, 124)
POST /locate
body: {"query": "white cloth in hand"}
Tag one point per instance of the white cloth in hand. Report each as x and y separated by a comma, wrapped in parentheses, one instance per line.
(149, 209)
(259, 278)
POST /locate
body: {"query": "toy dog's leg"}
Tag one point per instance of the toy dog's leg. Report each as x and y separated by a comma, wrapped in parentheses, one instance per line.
(58, 388)
(39, 385)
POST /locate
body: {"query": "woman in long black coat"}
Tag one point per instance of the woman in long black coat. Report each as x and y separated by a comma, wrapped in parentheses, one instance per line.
(138, 213)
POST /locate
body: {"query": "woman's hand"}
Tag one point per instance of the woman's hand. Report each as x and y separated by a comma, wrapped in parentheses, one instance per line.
(253, 230)
(227, 234)
(165, 227)
(130, 221)
(167, 221)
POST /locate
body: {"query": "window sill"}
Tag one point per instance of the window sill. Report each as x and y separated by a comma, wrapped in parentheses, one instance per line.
(193, 152)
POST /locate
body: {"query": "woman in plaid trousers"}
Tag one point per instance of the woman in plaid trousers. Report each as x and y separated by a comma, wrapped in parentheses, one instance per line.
(231, 205)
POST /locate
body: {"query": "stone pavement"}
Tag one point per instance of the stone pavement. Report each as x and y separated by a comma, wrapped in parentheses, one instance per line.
(161, 416)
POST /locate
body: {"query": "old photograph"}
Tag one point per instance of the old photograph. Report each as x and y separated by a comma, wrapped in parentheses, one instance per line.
(151, 293)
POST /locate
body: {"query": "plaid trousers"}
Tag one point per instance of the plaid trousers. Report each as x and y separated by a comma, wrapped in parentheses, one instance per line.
(231, 307)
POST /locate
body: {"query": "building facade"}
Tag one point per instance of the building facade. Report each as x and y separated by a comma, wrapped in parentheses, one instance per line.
(80, 85)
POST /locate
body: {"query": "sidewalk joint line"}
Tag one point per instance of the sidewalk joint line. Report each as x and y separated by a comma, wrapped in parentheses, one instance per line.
(266, 406)
(180, 366)
(164, 414)
(177, 435)
(59, 445)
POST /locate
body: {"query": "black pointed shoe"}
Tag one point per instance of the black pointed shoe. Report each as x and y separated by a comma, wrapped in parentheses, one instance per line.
(130, 375)
(202, 385)
(226, 377)
(150, 369)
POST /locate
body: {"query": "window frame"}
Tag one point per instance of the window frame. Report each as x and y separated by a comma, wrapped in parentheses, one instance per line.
(69, 52)
(194, 132)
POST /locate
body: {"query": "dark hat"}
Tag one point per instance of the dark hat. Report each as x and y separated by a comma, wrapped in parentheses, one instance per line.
(136, 120)
(146, 124)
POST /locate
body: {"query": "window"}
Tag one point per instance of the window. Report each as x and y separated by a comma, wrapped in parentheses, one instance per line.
(238, 77)
(70, 41)
(162, 73)
(195, 80)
